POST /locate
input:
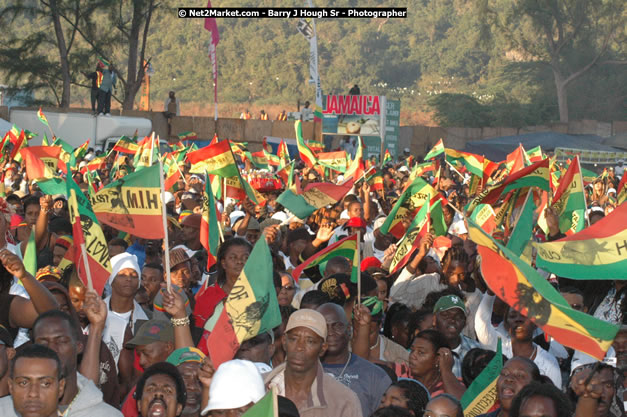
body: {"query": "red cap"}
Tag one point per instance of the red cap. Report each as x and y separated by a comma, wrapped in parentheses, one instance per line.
(369, 262)
(356, 222)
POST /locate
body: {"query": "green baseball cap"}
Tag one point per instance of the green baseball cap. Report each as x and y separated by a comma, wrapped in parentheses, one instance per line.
(152, 331)
(185, 354)
(448, 302)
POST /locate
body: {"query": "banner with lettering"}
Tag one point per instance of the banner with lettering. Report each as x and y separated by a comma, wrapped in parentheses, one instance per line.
(132, 204)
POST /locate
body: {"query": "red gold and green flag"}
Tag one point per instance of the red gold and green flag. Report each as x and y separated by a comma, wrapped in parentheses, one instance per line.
(19, 145)
(569, 200)
(87, 233)
(387, 157)
(535, 154)
(481, 395)
(188, 136)
(375, 179)
(282, 151)
(315, 146)
(126, 145)
(42, 117)
(407, 205)
(172, 172)
(312, 197)
(345, 248)
(306, 153)
(357, 167)
(98, 162)
(597, 252)
(216, 159)
(81, 151)
(437, 150)
(147, 153)
(41, 161)
(536, 175)
(410, 242)
(132, 204)
(473, 163)
(523, 230)
(485, 217)
(521, 287)
(250, 309)
(515, 161)
(209, 232)
(333, 160)
(259, 160)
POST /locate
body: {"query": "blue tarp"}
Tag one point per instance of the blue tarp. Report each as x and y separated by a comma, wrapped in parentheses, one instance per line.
(496, 149)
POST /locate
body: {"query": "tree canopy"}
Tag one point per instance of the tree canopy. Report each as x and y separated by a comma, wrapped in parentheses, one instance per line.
(472, 62)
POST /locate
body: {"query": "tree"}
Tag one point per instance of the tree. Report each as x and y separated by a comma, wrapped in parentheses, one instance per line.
(25, 54)
(572, 37)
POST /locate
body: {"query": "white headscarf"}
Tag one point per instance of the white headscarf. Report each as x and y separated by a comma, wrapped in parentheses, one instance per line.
(122, 261)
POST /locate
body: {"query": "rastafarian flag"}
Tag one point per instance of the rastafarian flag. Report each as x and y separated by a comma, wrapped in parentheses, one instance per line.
(132, 204)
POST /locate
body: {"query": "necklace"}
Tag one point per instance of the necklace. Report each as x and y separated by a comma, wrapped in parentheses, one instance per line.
(376, 344)
(345, 365)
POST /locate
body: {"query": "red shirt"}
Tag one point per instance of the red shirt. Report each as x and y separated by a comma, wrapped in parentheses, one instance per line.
(206, 302)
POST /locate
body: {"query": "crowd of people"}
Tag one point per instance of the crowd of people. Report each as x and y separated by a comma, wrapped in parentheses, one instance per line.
(404, 343)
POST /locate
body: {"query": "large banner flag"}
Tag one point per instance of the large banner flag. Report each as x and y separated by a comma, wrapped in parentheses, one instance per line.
(410, 241)
(345, 247)
(437, 150)
(41, 161)
(209, 233)
(481, 395)
(250, 309)
(523, 289)
(132, 204)
(412, 199)
(215, 159)
(569, 200)
(597, 252)
(86, 230)
(312, 197)
(306, 154)
(536, 175)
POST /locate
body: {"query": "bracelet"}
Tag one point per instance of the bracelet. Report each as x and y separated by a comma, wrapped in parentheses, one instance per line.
(180, 322)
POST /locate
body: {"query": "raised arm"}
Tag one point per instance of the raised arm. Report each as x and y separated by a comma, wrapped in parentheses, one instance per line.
(486, 333)
(23, 312)
(96, 311)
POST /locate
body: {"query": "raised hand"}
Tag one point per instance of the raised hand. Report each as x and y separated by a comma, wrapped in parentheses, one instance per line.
(95, 309)
(13, 264)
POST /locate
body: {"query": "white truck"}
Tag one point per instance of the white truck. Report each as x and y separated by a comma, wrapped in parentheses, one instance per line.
(75, 128)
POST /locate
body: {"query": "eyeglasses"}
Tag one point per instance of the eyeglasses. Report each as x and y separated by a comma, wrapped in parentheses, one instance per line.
(287, 288)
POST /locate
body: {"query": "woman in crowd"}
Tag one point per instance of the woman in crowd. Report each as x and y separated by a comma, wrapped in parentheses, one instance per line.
(431, 363)
(408, 394)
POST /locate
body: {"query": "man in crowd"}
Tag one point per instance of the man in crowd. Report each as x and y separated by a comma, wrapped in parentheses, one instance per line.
(367, 380)
(61, 333)
(36, 384)
(302, 379)
(160, 391)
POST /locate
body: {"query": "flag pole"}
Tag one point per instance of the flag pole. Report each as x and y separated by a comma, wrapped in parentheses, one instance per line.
(164, 217)
(454, 169)
(90, 283)
(583, 190)
(77, 217)
(358, 255)
(152, 145)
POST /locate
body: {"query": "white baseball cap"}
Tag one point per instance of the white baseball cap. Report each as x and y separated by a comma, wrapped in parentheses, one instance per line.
(235, 384)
